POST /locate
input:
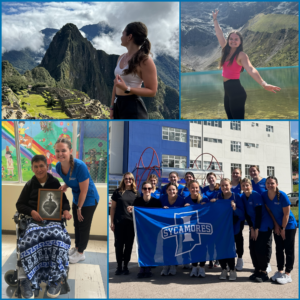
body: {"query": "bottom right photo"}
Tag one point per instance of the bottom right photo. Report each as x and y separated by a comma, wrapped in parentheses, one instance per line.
(203, 209)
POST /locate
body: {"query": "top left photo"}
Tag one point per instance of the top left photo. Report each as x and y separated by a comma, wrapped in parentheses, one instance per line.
(90, 60)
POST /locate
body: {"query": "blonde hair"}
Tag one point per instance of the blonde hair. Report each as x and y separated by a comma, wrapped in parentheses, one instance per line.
(122, 188)
(199, 195)
(246, 180)
(69, 144)
(152, 176)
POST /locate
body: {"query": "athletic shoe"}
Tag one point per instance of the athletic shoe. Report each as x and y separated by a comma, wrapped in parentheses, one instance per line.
(239, 264)
(187, 266)
(223, 275)
(148, 272)
(76, 257)
(269, 269)
(141, 274)
(216, 264)
(119, 271)
(201, 272)
(276, 275)
(211, 265)
(54, 289)
(26, 290)
(194, 272)
(254, 275)
(165, 271)
(72, 251)
(284, 279)
(232, 275)
(172, 270)
(125, 270)
(262, 277)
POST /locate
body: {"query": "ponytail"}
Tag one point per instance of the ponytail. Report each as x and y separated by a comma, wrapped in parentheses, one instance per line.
(278, 193)
(71, 164)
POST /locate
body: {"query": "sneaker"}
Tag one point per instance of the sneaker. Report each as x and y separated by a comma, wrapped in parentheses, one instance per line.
(262, 277)
(254, 275)
(216, 264)
(172, 270)
(187, 266)
(119, 271)
(239, 264)
(269, 269)
(141, 274)
(223, 275)
(76, 257)
(54, 289)
(232, 275)
(194, 272)
(276, 275)
(201, 272)
(125, 270)
(26, 290)
(211, 265)
(72, 251)
(165, 271)
(148, 272)
(284, 279)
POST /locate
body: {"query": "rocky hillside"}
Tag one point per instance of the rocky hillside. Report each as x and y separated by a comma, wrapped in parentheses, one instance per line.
(270, 31)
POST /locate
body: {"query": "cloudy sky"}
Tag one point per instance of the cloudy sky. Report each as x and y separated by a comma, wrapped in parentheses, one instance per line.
(23, 21)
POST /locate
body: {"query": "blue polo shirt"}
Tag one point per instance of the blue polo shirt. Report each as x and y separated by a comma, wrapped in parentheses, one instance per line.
(237, 189)
(180, 202)
(259, 187)
(164, 189)
(210, 194)
(189, 200)
(253, 201)
(80, 173)
(276, 207)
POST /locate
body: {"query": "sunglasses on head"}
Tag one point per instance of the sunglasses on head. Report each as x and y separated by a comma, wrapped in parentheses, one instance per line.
(144, 188)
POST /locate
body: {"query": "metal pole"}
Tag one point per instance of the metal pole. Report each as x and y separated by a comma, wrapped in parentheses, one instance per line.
(291, 163)
(202, 139)
(18, 152)
(74, 141)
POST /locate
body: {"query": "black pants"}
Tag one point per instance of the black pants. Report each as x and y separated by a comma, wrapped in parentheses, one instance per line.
(239, 241)
(130, 107)
(287, 245)
(269, 248)
(82, 229)
(124, 237)
(259, 250)
(202, 264)
(229, 261)
(234, 99)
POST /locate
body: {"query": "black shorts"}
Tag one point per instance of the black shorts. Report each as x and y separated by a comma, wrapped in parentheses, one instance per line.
(130, 107)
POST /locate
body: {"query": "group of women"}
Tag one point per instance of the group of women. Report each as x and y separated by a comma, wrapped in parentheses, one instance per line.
(258, 201)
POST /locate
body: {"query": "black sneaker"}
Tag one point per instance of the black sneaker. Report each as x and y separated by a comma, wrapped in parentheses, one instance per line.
(26, 290)
(148, 274)
(119, 271)
(254, 275)
(211, 265)
(141, 274)
(262, 277)
(54, 289)
(125, 271)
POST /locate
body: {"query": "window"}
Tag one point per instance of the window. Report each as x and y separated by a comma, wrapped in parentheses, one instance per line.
(195, 141)
(194, 166)
(234, 166)
(269, 128)
(253, 124)
(211, 140)
(270, 171)
(213, 165)
(247, 167)
(39, 137)
(235, 146)
(251, 145)
(235, 125)
(174, 161)
(213, 123)
(174, 134)
(196, 122)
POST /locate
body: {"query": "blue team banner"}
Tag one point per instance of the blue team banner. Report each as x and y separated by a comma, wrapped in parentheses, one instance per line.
(177, 236)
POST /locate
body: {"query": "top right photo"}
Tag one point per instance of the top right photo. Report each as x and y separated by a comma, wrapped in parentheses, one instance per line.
(239, 60)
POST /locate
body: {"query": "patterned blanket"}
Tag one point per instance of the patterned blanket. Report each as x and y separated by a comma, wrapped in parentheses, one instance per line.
(44, 252)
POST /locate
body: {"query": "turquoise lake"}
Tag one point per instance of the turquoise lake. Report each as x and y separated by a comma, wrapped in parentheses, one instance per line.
(202, 95)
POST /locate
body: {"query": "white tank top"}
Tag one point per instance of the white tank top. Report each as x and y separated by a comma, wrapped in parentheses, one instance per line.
(132, 80)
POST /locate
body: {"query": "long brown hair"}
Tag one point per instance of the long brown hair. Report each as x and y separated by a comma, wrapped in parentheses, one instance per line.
(199, 195)
(240, 181)
(217, 186)
(69, 144)
(226, 50)
(139, 33)
(277, 190)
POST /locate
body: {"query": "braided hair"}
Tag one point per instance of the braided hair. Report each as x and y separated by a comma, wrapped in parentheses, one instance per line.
(69, 144)
(277, 190)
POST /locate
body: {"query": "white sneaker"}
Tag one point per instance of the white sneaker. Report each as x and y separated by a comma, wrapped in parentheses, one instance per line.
(201, 272)
(239, 264)
(72, 251)
(232, 275)
(276, 275)
(194, 272)
(76, 257)
(269, 269)
(165, 271)
(284, 279)
(172, 270)
(223, 275)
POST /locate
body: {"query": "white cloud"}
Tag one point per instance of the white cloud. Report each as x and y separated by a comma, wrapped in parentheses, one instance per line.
(22, 29)
(82, 33)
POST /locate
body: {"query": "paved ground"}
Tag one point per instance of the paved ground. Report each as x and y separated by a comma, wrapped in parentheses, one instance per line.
(183, 286)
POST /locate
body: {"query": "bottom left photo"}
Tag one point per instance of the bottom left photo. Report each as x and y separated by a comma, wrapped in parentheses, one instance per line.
(54, 209)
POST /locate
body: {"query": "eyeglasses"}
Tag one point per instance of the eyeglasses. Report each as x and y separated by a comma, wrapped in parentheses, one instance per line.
(149, 189)
(129, 179)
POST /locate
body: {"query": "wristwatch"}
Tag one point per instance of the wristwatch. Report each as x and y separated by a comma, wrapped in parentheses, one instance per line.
(78, 208)
(283, 228)
(127, 90)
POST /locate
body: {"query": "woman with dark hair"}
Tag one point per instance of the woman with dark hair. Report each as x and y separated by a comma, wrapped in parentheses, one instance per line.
(121, 222)
(133, 68)
(233, 62)
(285, 226)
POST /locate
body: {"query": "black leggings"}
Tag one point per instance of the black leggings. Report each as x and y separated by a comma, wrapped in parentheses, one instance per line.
(130, 107)
(239, 241)
(234, 99)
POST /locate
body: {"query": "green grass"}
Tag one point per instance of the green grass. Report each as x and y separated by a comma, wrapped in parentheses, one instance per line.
(295, 211)
(37, 105)
(272, 23)
(296, 188)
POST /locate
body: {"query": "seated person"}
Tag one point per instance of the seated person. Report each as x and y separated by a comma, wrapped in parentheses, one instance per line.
(45, 244)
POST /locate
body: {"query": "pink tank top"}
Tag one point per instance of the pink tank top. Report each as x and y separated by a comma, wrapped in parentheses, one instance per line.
(233, 71)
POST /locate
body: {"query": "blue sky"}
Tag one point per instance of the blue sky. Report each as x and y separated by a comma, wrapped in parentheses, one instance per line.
(295, 130)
